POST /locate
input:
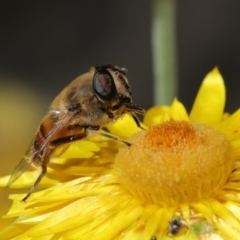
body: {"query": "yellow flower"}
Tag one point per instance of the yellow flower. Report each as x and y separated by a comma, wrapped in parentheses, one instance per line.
(179, 179)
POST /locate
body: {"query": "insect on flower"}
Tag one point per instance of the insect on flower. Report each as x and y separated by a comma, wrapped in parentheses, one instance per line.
(92, 100)
(174, 226)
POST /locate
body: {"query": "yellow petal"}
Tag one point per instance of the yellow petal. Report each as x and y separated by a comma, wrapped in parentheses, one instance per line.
(13, 231)
(160, 114)
(124, 127)
(26, 180)
(225, 214)
(210, 101)
(178, 111)
(152, 223)
(234, 208)
(230, 126)
(83, 148)
(185, 208)
(155, 115)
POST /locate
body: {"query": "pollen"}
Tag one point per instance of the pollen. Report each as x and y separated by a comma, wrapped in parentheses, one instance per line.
(175, 162)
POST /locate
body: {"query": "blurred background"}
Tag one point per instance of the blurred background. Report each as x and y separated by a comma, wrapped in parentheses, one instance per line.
(46, 44)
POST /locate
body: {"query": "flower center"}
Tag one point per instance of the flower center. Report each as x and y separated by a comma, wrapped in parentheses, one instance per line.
(175, 162)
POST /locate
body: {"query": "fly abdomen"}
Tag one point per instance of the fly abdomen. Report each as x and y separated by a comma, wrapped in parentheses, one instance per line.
(40, 138)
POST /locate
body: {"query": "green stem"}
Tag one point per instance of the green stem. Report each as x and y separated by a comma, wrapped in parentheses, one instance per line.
(164, 51)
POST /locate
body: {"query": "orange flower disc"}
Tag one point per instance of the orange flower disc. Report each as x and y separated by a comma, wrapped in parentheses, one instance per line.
(175, 162)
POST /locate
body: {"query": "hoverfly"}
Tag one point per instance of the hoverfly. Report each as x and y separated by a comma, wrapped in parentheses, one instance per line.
(92, 100)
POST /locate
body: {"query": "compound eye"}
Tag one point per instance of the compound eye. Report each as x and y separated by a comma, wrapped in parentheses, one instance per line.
(104, 86)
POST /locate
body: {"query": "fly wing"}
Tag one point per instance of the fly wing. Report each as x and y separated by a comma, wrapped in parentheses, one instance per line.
(22, 166)
(32, 153)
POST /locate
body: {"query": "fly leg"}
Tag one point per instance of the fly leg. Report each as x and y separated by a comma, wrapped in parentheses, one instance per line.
(137, 121)
(45, 155)
(44, 170)
(89, 131)
(106, 135)
(44, 159)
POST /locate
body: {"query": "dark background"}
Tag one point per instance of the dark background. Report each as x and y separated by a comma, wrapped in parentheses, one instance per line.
(46, 44)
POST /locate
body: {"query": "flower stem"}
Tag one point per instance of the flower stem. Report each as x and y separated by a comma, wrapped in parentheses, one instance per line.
(164, 51)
